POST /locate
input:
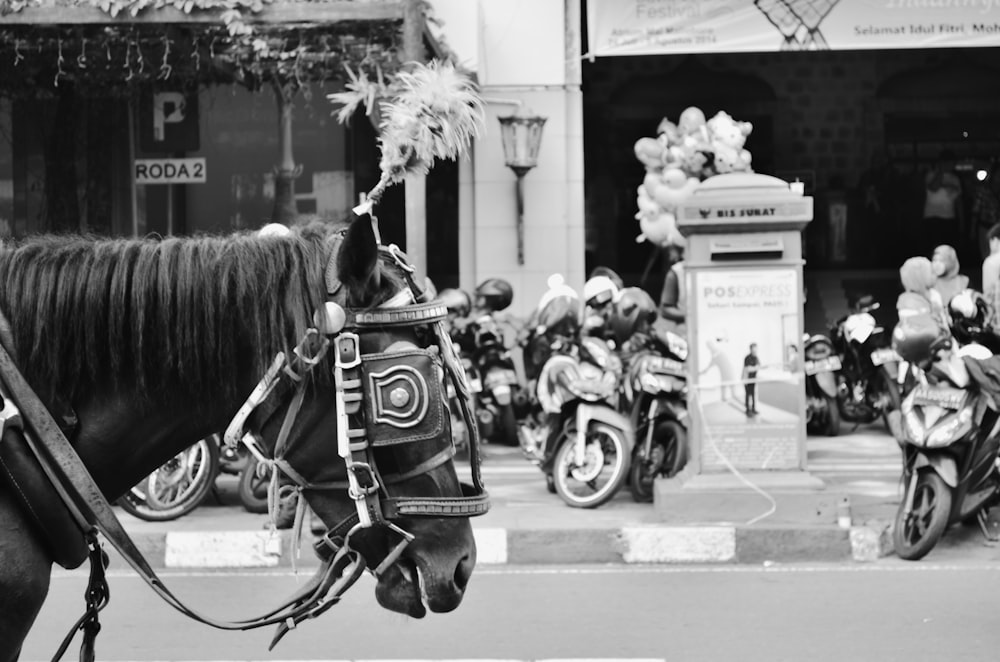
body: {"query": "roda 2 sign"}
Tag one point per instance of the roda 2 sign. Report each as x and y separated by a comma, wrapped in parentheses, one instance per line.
(170, 171)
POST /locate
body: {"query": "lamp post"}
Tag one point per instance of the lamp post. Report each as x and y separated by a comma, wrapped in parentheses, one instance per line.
(522, 136)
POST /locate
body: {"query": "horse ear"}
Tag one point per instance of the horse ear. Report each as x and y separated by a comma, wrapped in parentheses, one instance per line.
(357, 262)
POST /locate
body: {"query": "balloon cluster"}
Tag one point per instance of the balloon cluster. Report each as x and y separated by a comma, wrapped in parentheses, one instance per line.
(680, 157)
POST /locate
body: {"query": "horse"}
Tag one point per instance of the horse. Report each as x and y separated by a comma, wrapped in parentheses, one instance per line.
(142, 346)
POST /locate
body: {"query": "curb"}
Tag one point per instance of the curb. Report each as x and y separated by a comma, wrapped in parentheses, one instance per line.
(651, 544)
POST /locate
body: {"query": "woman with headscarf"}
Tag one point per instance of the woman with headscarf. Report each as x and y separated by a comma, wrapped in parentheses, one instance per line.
(948, 282)
(919, 296)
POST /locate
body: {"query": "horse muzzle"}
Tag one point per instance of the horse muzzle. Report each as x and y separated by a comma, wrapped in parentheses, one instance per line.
(429, 577)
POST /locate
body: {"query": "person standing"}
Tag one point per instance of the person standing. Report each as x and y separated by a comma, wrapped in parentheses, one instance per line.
(991, 276)
(948, 281)
(673, 297)
(942, 217)
(750, 365)
(984, 212)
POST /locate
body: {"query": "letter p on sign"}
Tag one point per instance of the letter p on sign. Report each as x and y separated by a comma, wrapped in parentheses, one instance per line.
(168, 108)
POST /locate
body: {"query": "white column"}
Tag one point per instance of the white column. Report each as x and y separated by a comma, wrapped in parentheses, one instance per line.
(466, 224)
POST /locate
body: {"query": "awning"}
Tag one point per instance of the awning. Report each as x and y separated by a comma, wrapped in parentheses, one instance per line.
(662, 27)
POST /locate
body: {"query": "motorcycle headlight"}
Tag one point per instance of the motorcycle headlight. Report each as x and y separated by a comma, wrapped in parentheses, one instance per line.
(946, 433)
(649, 383)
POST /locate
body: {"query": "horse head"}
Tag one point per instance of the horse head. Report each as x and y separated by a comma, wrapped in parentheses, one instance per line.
(369, 442)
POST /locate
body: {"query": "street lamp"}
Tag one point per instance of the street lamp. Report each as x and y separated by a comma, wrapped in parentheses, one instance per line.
(522, 136)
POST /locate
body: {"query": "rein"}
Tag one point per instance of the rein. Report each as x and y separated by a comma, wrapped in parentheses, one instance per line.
(381, 400)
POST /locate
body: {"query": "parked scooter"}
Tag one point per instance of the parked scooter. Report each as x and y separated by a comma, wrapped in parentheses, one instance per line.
(821, 366)
(576, 435)
(659, 416)
(501, 392)
(656, 388)
(867, 382)
(182, 483)
(949, 438)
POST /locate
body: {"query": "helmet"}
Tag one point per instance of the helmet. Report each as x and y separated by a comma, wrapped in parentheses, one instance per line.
(457, 301)
(633, 310)
(559, 309)
(918, 337)
(969, 312)
(599, 290)
(609, 273)
(495, 294)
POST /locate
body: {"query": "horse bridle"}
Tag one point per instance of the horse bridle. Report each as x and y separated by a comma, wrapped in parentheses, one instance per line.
(365, 422)
(382, 399)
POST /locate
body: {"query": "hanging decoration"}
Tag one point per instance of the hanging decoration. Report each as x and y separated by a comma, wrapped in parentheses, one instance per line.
(680, 157)
(142, 54)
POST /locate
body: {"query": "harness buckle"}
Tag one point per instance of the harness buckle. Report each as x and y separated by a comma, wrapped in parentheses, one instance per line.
(348, 350)
(301, 349)
(362, 480)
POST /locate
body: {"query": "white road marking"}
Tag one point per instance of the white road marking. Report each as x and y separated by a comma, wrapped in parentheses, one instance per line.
(611, 569)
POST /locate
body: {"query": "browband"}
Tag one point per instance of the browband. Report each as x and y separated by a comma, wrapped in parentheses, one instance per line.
(412, 315)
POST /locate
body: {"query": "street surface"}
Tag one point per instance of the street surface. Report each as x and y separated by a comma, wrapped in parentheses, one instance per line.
(943, 607)
(885, 612)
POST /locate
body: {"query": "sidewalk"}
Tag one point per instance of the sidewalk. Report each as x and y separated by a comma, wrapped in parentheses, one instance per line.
(527, 525)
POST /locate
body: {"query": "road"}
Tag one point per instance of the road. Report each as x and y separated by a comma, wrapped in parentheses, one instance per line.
(887, 611)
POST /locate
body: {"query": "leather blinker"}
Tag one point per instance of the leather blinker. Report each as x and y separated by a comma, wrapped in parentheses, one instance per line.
(405, 401)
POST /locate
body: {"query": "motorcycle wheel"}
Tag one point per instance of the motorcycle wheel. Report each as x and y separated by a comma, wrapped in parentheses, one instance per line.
(508, 426)
(668, 454)
(914, 535)
(832, 427)
(253, 488)
(177, 487)
(605, 469)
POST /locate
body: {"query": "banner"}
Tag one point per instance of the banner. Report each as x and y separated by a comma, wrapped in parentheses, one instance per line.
(749, 392)
(655, 27)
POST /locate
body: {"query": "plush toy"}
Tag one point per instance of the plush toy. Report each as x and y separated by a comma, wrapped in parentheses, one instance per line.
(649, 151)
(674, 188)
(728, 138)
(691, 121)
(677, 160)
(660, 230)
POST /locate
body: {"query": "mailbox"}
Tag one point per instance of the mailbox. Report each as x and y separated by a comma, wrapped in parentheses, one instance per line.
(743, 272)
(743, 267)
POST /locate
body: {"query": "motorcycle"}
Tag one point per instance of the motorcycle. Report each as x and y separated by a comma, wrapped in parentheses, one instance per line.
(578, 439)
(868, 380)
(821, 365)
(501, 388)
(950, 441)
(657, 389)
(182, 483)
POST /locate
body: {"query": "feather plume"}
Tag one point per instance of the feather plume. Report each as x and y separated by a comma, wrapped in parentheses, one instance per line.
(434, 112)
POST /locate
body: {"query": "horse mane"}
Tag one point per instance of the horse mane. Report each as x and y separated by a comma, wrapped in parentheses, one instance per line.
(158, 315)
